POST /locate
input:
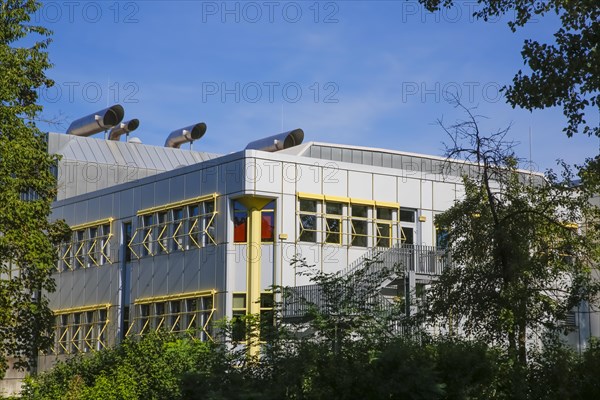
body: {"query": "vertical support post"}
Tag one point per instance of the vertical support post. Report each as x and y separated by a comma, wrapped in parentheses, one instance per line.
(253, 266)
(410, 290)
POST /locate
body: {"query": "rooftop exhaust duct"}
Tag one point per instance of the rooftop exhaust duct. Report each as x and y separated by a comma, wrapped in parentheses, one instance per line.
(278, 142)
(97, 122)
(185, 135)
(123, 128)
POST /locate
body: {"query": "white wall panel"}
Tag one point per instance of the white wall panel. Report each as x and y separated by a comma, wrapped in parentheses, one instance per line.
(268, 175)
(409, 193)
(290, 174)
(335, 180)
(384, 187)
(427, 195)
(309, 178)
(427, 228)
(360, 185)
(443, 195)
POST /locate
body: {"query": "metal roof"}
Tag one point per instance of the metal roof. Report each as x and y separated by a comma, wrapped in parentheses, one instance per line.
(86, 149)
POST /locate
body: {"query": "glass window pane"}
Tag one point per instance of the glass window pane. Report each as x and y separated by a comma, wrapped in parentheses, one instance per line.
(239, 301)
(359, 211)
(333, 208)
(384, 213)
(268, 226)
(359, 233)
(308, 226)
(407, 215)
(308, 205)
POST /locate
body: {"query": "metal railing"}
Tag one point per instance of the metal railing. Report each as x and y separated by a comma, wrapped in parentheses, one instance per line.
(377, 263)
(424, 260)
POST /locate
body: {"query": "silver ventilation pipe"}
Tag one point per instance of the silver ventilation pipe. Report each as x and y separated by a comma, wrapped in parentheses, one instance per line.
(123, 128)
(97, 122)
(278, 142)
(185, 135)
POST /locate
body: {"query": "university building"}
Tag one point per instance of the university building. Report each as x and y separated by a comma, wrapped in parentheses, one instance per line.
(177, 239)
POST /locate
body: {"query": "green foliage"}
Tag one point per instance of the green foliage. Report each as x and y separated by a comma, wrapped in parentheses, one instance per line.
(27, 255)
(309, 363)
(521, 264)
(564, 73)
(152, 368)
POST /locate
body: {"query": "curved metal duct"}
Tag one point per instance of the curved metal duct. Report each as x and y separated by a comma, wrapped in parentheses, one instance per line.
(123, 128)
(185, 135)
(278, 142)
(97, 122)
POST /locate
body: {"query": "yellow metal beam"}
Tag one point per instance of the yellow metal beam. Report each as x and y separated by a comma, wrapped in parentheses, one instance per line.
(179, 296)
(363, 202)
(337, 199)
(82, 309)
(91, 224)
(386, 204)
(310, 196)
(176, 204)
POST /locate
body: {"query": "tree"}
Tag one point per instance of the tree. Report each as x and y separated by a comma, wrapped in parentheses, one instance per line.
(522, 261)
(27, 255)
(565, 73)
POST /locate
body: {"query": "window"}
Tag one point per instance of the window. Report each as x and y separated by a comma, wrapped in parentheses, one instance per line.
(194, 234)
(308, 221)
(238, 320)
(384, 227)
(88, 246)
(80, 250)
(352, 222)
(162, 233)
(408, 235)
(359, 225)
(159, 319)
(333, 223)
(240, 223)
(104, 244)
(127, 237)
(176, 227)
(268, 222)
(441, 238)
(407, 222)
(239, 329)
(189, 313)
(208, 227)
(407, 215)
(81, 330)
(267, 316)
(178, 230)
(94, 248)
(148, 225)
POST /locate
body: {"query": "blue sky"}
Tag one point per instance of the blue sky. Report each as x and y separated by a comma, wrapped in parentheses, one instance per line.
(372, 73)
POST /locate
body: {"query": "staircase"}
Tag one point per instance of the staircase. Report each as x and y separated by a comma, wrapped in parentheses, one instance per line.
(386, 266)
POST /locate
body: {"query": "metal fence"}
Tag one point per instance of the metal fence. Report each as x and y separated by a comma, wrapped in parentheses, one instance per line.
(382, 264)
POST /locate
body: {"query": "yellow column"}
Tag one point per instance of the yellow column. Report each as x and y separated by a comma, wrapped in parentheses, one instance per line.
(253, 264)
